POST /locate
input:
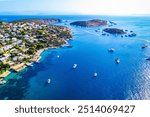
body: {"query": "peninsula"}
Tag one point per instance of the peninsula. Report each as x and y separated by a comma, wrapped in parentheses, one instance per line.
(22, 41)
(90, 23)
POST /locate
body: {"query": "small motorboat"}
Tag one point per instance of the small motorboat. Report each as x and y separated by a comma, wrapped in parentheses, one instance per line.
(111, 50)
(49, 81)
(144, 46)
(58, 56)
(29, 64)
(148, 59)
(75, 66)
(117, 60)
(2, 82)
(95, 74)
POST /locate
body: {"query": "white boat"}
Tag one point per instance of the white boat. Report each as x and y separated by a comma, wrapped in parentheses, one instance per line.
(2, 82)
(49, 81)
(75, 66)
(117, 60)
(58, 56)
(29, 64)
(95, 74)
(111, 50)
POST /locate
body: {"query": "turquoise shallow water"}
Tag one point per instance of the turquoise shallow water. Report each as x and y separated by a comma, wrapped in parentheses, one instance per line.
(128, 80)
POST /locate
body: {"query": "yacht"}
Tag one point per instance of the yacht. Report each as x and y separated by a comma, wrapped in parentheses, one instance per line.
(75, 66)
(2, 82)
(111, 50)
(95, 74)
(117, 60)
(49, 81)
(29, 64)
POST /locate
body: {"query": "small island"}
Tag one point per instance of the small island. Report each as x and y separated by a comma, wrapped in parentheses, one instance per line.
(114, 31)
(22, 42)
(90, 23)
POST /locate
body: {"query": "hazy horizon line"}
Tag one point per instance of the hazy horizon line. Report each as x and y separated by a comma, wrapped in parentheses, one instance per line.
(59, 13)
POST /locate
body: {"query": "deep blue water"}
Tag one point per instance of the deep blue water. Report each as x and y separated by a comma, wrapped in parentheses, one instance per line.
(128, 80)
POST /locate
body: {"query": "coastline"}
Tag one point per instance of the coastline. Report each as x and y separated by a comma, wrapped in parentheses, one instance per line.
(5, 74)
(51, 36)
(90, 52)
(36, 58)
(21, 66)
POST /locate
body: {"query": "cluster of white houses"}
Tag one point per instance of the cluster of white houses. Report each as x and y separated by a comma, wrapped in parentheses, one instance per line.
(15, 34)
(12, 32)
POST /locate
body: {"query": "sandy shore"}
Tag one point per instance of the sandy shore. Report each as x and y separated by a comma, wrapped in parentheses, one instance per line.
(21, 66)
(37, 56)
(18, 67)
(5, 74)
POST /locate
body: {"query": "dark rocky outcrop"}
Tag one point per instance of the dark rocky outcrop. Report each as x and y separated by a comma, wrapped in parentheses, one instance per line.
(90, 23)
(114, 31)
(132, 35)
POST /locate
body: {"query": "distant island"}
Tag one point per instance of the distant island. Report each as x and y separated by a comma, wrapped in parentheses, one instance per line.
(114, 31)
(90, 23)
(117, 31)
(22, 41)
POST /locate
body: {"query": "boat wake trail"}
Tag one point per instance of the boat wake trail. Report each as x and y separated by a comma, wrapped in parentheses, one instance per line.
(90, 32)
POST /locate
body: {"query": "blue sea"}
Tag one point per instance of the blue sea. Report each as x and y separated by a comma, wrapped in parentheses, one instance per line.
(129, 80)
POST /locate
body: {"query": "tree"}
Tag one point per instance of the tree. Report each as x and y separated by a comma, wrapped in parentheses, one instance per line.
(3, 67)
(31, 51)
(14, 54)
(39, 46)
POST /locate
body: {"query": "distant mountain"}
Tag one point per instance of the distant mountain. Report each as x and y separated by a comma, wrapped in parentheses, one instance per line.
(7, 13)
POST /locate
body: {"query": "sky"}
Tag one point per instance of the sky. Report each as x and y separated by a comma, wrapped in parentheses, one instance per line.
(95, 7)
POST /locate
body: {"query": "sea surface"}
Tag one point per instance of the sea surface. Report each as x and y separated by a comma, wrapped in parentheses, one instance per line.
(129, 80)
